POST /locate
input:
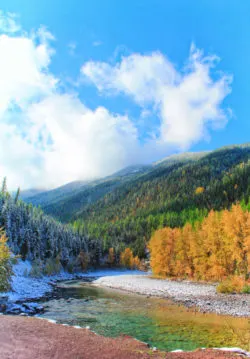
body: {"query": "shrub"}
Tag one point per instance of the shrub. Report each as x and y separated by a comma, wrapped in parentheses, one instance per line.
(52, 266)
(36, 269)
(70, 266)
(82, 261)
(136, 263)
(231, 285)
(246, 289)
(5, 264)
(14, 260)
(144, 265)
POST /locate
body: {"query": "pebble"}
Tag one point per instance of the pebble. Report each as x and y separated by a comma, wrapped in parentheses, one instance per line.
(188, 293)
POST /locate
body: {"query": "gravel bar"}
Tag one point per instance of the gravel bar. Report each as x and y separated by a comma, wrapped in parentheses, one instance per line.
(190, 294)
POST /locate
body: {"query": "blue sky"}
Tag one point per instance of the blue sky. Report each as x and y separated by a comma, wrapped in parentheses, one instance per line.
(129, 73)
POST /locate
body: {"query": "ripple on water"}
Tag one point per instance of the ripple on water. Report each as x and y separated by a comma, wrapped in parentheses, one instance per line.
(155, 321)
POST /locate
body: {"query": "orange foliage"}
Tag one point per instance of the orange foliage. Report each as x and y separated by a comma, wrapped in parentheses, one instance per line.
(128, 260)
(215, 249)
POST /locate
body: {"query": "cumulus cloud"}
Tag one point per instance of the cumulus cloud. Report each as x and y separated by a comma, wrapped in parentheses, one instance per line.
(77, 142)
(48, 136)
(187, 101)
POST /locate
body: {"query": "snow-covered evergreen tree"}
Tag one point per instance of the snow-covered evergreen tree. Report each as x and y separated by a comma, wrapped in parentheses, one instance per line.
(36, 236)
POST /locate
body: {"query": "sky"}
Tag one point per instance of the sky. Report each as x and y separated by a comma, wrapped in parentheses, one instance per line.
(89, 87)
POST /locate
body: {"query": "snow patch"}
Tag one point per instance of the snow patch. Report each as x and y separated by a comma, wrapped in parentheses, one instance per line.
(25, 287)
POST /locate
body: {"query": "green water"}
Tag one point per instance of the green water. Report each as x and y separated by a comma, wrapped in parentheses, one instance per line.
(155, 321)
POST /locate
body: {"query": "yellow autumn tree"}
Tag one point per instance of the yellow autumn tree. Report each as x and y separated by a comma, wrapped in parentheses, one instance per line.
(161, 247)
(128, 260)
(213, 250)
(5, 267)
(184, 248)
(111, 257)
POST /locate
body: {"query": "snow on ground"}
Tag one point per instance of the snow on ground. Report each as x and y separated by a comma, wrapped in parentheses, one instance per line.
(25, 287)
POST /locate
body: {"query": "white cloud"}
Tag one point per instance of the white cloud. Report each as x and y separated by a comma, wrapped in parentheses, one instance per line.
(8, 23)
(77, 142)
(188, 102)
(49, 137)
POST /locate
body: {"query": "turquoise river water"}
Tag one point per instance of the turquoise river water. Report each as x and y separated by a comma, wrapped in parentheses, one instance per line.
(158, 322)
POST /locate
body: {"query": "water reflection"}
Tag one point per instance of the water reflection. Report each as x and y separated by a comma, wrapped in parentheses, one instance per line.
(156, 321)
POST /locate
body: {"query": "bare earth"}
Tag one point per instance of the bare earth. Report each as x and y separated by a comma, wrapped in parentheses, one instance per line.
(32, 338)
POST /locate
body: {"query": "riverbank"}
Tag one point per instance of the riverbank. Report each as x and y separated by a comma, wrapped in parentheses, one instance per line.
(190, 294)
(24, 287)
(28, 338)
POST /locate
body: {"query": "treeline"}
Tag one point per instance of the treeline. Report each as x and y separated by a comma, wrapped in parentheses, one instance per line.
(169, 195)
(215, 249)
(136, 231)
(38, 237)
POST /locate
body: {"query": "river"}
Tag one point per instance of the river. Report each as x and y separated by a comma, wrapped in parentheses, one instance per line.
(158, 322)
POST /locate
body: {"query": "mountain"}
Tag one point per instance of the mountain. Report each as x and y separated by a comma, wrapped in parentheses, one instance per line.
(129, 205)
(44, 197)
(180, 157)
(29, 193)
(65, 201)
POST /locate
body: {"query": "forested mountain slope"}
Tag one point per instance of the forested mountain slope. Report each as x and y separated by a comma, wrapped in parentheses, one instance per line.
(221, 174)
(64, 202)
(169, 196)
(126, 208)
(40, 238)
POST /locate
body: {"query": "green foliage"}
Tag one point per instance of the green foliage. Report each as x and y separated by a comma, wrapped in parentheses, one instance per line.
(233, 285)
(52, 266)
(125, 209)
(70, 267)
(36, 269)
(167, 195)
(246, 289)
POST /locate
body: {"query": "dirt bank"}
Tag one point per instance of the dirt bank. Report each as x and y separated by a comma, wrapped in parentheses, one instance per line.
(29, 338)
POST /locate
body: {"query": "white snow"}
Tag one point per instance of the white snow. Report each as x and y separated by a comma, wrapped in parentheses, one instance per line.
(25, 287)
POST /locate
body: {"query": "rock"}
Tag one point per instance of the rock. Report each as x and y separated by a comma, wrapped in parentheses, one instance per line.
(23, 309)
(3, 307)
(14, 309)
(33, 308)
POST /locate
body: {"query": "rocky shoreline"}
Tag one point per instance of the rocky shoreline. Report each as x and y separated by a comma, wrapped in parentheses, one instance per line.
(195, 295)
